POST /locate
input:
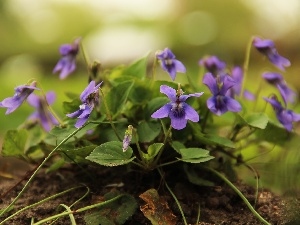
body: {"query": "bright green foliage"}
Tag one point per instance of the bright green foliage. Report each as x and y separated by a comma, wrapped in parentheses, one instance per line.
(152, 151)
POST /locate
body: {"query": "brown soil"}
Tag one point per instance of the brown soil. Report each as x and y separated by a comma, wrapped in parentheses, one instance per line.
(218, 204)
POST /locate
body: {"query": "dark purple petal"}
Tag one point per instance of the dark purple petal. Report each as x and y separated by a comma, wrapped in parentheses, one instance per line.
(226, 83)
(87, 91)
(278, 60)
(168, 91)
(263, 44)
(179, 67)
(213, 64)
(162, 112)
(216, 106)
(75, 114)
(232, 104)
(190, 113)
(272, 78)
(65, 49)
(80, 122)
(248, 95)
(286, 93)
(210, 81)
(178, 123)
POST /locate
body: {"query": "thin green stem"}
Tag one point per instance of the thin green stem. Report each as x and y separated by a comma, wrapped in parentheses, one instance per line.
(78, 210)
(40, 166)
(205, 120)
(138, 146)
(173, 195)
(68, 209)
(109, 116)
(154, 68)
(262, 220)
(38, 203)
(163, 147)
(85, 57)
(167, 163)
(246, 64)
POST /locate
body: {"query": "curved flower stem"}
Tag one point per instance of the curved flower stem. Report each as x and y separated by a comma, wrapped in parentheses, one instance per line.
(85, 57)
(78, 210)
(109, 116)
(40, 202)
(262, 220)
(173, 195)
(246, 64)
(39, 167)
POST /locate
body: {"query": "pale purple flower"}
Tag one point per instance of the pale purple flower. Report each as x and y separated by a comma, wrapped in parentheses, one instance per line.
(267, 48)
(89, 98)
(67, 63)
(178, 111)
(127, 138)
(21, 94)
(42, 113)
(213, 64)
(277, 80)
(285, 116)
(220, 102)
(169, 63)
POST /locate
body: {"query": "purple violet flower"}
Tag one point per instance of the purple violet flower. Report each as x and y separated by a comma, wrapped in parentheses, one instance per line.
(285, 116)
(277, 80)
(42, 114)
(169, 63)
(178, 111)
(249, 95)
(89, 98)
(67, 64)
(213, 64)
(220, 102)
(21, 94)
(267, 48)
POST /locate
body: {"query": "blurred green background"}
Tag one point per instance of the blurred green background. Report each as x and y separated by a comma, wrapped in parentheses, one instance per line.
(120, 31)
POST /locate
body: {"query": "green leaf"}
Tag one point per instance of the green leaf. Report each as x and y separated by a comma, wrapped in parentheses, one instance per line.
(211, 139)
(137, 69)
(79, 154)
(176, 145)
(194, 178)
(111, 154)
(148, 131)
(152, 151)
(56, 165)
(14, 143)
(140, 93)
(256, 120)
(276, 134)
(195, 155)
(117, 96)
(57, 134)
(114, 213)
(153, 105)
